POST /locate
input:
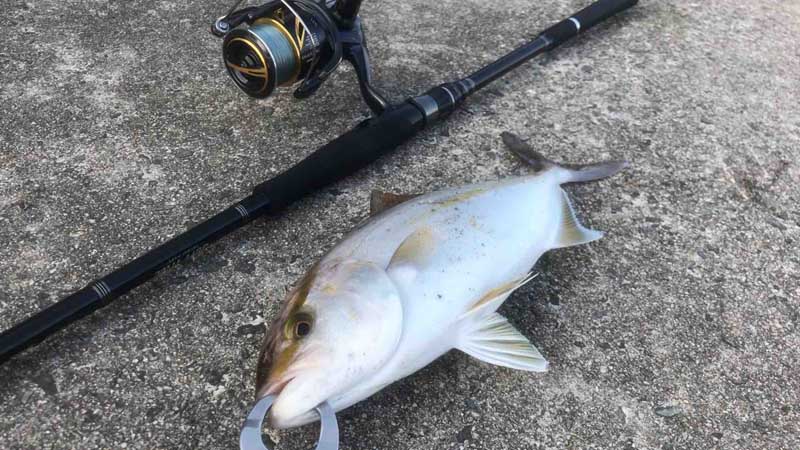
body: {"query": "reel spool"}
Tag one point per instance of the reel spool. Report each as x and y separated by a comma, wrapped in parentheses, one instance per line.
(273, 51)
(286, 42)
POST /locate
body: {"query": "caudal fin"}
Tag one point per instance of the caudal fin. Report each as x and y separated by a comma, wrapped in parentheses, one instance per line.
(574, 173)
(568, 173)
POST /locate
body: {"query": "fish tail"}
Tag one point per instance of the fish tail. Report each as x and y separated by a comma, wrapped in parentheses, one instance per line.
(567, 173)
(585, 173)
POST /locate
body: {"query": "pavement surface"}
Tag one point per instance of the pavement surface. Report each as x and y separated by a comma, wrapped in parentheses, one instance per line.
(678, 330)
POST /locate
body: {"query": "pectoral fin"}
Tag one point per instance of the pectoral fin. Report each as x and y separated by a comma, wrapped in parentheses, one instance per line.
(495, 341)
(413, 254)
(571, 231)
(381, 201)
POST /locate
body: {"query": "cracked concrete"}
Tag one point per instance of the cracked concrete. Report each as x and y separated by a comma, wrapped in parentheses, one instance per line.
(678, 330)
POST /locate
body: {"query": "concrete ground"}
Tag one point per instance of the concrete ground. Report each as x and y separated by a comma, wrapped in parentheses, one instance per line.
(678, 330)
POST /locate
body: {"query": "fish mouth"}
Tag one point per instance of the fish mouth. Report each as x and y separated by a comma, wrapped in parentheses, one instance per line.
(277, 416)
(273, 388)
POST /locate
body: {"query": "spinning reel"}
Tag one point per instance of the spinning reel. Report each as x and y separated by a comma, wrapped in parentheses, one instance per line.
(289, 42)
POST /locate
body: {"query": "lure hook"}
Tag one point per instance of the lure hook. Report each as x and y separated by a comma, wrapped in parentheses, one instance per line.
(250, 438)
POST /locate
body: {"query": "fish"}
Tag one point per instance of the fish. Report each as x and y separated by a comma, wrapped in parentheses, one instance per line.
(423, 276)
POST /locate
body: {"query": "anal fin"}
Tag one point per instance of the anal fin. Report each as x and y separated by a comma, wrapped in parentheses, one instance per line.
(571, 231)
(495, 341)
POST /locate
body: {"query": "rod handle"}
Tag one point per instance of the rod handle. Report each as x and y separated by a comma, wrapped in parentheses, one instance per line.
(103, 291)
(344, 155)
(584, 19)
(46, 322)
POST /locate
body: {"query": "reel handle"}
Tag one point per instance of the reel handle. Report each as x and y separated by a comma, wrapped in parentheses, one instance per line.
(584, 19)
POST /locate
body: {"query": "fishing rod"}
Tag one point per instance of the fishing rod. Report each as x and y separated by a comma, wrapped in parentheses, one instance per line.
(298, 42)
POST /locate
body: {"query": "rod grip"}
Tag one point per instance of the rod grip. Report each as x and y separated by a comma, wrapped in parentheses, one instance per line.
(586, 18)
(103, 291)
(46, 322)
(344, 155)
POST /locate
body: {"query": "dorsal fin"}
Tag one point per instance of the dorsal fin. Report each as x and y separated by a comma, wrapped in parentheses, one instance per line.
(571, 231)
(493, 340)
(568, 173)
(381, 201)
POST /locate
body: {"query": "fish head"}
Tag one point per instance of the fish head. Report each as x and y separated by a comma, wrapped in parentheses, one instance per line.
(339, 325)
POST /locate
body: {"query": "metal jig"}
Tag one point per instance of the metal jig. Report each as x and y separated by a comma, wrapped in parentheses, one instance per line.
(250, 438)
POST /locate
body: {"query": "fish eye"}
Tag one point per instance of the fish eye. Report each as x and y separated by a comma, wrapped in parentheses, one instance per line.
(298, 326)
(302, 328)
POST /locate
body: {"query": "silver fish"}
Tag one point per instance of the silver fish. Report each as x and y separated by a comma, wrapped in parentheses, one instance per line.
(415, 281)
